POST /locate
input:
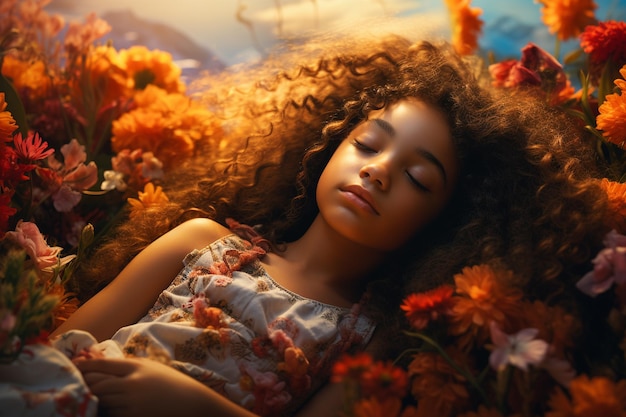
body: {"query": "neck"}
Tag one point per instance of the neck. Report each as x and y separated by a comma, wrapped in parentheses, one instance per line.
(325, 255)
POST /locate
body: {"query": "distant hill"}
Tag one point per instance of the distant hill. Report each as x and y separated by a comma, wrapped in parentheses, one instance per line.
(128, 29)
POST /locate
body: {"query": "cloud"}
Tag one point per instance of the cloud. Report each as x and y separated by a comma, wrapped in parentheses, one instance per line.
(300, 17)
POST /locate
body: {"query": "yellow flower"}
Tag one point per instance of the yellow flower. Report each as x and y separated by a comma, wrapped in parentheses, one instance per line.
(612, 118)
(7, 123)
(168, 125)
(466, 25)
(155, 67)
(151, 196)
(27, 77)
(567, 18)
(616, 194)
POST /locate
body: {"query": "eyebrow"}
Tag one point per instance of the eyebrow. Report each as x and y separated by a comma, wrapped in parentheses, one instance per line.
(389, 129)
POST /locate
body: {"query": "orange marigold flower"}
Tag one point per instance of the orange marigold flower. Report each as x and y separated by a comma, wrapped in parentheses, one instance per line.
(482, 298)
(7, 122)
(590, 397)
(420, 308)
(466, 25)
(384, 380)
(378, 407)
(611, 119)
(30, 78)
(168, 125)
(438, 388)
(567, 18)
(155, 67)
(351, 366)
(616, 213)
(151, 196)
(104, 80)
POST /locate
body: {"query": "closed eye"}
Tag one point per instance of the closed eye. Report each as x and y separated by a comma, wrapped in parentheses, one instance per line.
(362, 147)
(417, 183)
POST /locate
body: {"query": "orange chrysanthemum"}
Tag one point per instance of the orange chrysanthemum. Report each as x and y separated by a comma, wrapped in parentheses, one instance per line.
(611, 119)
(482, 298)
(29, 78)
(556, 326)
(384, 380)
(7, 122)
(466, 25)
(151, 196)
(616, 213)
(437, 387)
(567, 18)
(67, 305)
(168, 125)
(378, 407)
(155, 67)
(598, 396)
(420, 308)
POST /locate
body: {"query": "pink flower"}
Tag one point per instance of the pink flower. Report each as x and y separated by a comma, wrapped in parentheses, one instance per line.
(536, 68)
(32, 148)
(28, 236)
(520, 349)
(80, 36)
(609, 266)
(75, 174)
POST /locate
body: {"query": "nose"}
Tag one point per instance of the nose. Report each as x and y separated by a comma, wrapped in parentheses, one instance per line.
(377, 173)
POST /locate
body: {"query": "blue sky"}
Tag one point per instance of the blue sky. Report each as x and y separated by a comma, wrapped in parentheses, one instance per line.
(509, 24)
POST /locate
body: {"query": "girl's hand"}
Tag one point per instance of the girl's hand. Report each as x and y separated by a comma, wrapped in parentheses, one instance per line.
(143, 387)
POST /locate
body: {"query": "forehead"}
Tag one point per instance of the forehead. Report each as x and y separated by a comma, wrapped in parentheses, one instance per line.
(414, 121)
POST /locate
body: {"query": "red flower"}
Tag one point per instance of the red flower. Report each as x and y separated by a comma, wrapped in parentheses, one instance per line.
(32, 148)
(351, 367)
(605, 41)
(420, 308)
(6, 211)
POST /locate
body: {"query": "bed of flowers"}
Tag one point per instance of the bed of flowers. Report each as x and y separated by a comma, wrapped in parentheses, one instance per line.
(87, 130)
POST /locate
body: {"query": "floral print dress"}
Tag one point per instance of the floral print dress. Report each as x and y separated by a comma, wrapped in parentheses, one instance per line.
(225, 322)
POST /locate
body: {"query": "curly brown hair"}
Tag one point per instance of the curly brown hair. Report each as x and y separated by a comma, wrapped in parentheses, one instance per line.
(525, 200)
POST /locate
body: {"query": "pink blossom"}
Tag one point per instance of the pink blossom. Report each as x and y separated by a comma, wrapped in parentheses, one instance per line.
(609, 266)
(520, 349)
(28, 236)
(80, 36)
(536, 68)
(76, 175)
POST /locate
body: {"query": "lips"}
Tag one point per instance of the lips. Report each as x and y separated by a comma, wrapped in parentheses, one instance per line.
(360, 196)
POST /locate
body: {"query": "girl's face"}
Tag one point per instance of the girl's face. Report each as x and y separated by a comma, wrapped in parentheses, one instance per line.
(392, 175)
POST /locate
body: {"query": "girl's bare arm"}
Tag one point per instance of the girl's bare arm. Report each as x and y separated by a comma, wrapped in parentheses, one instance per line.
(129, 296)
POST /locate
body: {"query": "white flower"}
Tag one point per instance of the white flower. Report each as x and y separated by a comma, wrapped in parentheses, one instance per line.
(520, 349)
(113, 180)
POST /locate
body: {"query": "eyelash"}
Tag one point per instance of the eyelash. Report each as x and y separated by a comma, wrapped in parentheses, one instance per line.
(362, 147)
